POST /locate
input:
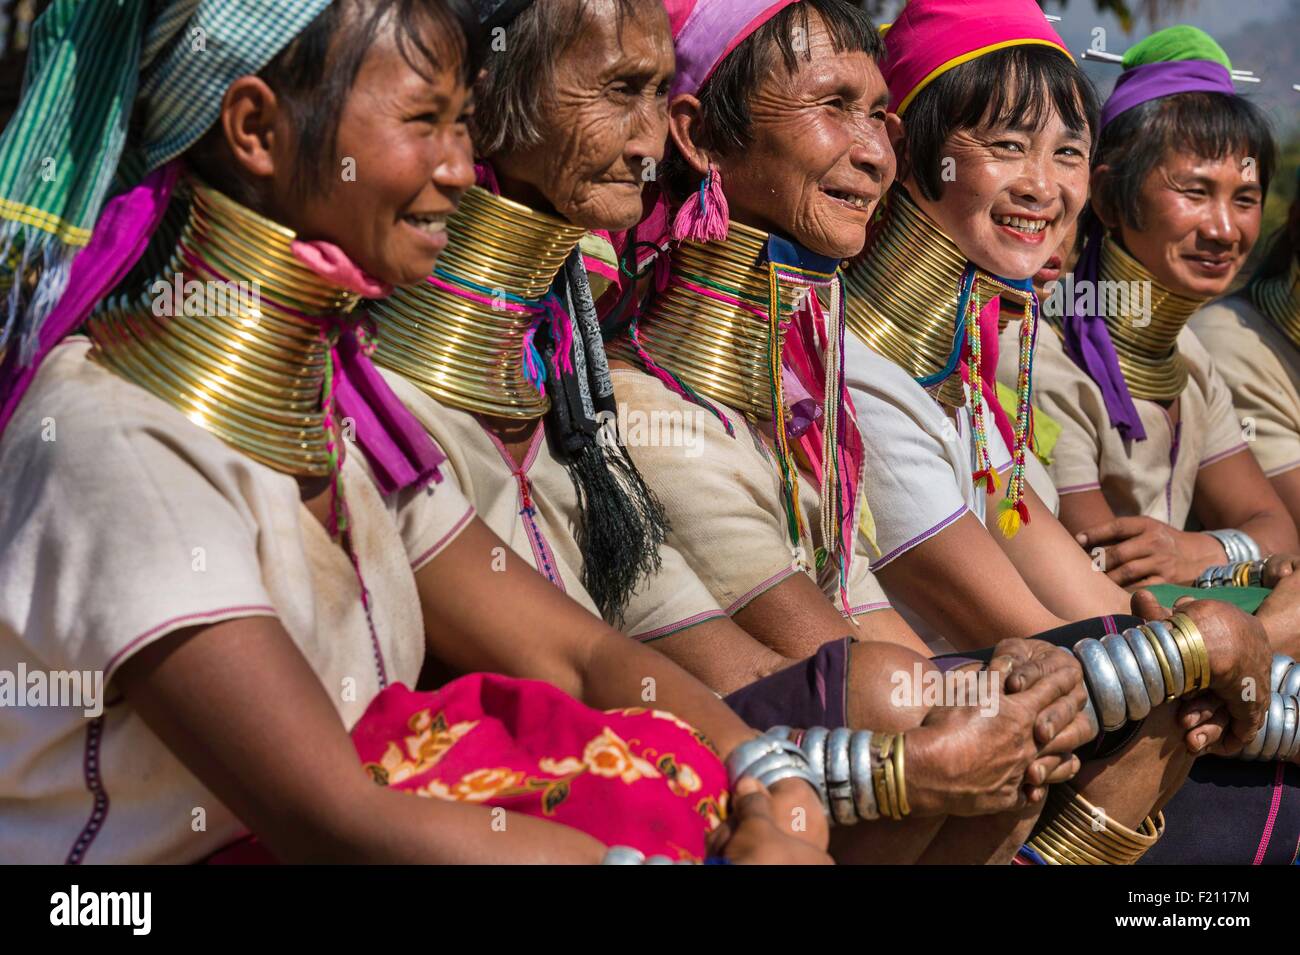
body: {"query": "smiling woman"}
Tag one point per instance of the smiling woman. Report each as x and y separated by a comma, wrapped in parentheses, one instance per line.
(274, 542)
(1149, 433)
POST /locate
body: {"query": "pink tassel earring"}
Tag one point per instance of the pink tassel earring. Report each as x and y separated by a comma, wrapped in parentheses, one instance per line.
(704, 217)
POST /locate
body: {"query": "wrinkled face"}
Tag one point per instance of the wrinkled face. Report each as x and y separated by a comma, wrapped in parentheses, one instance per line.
(605, 123)
(1201, 217)
(405, 160)
(1011, 196)
(820, 157)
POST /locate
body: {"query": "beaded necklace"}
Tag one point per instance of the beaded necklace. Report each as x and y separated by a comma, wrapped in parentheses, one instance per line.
(718, 332)
(915, 299)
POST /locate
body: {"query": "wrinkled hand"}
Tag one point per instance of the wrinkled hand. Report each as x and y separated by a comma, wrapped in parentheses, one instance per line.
(1280, 611)
(1240, 656)
(964, 761)
(1140, 551)
(752, 836)
(1277, 568)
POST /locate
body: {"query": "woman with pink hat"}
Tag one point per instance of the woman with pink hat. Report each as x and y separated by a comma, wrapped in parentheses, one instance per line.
(775, 182)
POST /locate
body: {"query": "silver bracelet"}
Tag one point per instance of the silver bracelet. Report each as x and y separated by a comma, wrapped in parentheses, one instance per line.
(747, 753)
(1225, 575)
(1291, 685)
(771, 758)
(1278, 670)
(626, 855)
(1152, 675)
(1137, 702)
(1238, 545)
(841, 759)
(864, 790)
(1103, 683)
(1279, 737)
(839, 777)
(1273, 726)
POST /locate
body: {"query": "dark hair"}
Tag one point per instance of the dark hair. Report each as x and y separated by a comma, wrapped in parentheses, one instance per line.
(314, 73)
(1212, 125)
(726, 125)
(1283, 246)
(510, 95)
(1019, 86)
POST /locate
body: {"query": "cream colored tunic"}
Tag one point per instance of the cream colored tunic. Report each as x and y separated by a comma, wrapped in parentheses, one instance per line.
(1262, 369)
(723, 497)
(543, 528)
(121, 522)
(1155, 477)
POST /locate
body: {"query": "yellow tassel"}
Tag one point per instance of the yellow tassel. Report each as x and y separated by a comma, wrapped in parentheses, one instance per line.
(995, 480)
(867, 522)
(1009, 522)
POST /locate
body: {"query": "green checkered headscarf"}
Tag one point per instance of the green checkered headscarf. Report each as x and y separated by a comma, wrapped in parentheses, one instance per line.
(92, 65)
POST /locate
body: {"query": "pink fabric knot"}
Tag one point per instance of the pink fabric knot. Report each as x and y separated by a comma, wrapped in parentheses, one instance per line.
(335, 266)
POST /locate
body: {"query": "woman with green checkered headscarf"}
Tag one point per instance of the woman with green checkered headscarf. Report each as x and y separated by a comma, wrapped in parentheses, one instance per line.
(194, 195)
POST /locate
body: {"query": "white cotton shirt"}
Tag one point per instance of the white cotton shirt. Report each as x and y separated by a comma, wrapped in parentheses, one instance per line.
(545, 534)
(1155, 477)
(722, 494)
(121, 522)
(920, 463)
(1262, 369)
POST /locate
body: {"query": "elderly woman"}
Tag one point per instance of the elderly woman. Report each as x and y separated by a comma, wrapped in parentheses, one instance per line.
(525, 434)
(1149, 433)
(798, 173)
(240, 584)
(1254, 336)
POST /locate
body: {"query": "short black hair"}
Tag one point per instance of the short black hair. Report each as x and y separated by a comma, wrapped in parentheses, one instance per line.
(1283, 246)
(726, 126)
(1212, 125)
(1019, 86)
(314, 73)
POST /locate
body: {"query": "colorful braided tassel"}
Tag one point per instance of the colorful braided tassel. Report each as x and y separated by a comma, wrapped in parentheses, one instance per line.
(706, 218)
(1013, 512)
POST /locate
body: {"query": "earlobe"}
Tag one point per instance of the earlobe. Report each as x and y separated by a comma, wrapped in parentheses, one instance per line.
(1099, 193)
(683, 126)
(249, 117)
(897, 133)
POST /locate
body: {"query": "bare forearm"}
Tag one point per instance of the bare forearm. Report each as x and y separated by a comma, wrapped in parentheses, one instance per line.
(1060, 573)
(721, 655)
(965, 588)
(618, 672)
(395, 827)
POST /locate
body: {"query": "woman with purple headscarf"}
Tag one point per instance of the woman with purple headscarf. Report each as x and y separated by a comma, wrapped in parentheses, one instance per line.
(1149, 436)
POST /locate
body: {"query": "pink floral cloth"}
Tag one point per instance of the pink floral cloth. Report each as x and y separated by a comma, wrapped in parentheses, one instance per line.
(633, 777)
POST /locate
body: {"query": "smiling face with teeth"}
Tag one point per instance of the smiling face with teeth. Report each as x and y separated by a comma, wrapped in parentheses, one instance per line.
(1011, 174)
(818, 157)
(1014, 194)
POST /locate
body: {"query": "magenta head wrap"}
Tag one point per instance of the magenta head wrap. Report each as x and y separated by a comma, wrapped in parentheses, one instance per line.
(931, 37)
(706, 31)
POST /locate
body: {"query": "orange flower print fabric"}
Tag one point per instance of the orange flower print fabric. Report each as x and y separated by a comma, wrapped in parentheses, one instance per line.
(633, 777)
